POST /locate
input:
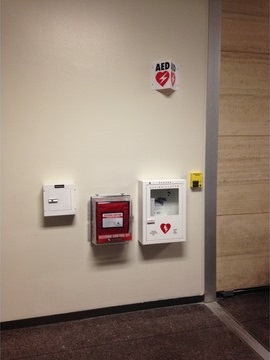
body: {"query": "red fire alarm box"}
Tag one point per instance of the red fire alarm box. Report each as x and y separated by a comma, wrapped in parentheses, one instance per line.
(110, 218)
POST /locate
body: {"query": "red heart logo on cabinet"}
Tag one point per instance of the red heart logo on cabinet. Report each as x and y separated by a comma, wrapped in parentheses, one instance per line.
(165, 227)
(173, 77)
(162, 77)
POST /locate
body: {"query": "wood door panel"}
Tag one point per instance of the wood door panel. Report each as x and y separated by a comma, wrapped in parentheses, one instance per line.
(248, 7)
(245, 33)
(242, 272)
(243, 147)
(243, 199)
(244, 73)
(243, 159)
(244, 115)
(243, 234)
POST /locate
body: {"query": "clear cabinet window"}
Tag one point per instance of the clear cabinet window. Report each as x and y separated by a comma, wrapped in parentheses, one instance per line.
(164, 202)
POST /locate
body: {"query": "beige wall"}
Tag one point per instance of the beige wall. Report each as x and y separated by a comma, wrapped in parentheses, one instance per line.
(77, 106)
(243, 165)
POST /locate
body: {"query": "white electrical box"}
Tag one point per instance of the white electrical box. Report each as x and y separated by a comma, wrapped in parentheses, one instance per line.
(163, 211)
(59, 199)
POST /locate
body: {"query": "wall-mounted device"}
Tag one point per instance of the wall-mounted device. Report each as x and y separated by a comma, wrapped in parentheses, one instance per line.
(110, 219)
(59, 199)
(196, 180)
(163, 211)
(165, 75)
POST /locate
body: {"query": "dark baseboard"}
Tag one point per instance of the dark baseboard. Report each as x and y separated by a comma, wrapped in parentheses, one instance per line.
(227, 294)
(79, 315)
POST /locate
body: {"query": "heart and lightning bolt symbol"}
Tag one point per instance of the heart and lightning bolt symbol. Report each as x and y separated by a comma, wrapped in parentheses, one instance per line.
(173, 77)
(165, 227)
(162, 77)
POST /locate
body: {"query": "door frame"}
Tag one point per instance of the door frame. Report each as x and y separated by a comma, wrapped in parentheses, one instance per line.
(211, 148)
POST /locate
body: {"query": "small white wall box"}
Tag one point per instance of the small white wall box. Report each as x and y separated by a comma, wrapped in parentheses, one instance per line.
(59, 199)
(163, 211)
(165, 75)
(111, 219)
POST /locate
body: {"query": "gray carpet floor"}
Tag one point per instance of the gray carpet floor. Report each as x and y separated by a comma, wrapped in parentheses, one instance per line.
(251, 311)
(176, 332)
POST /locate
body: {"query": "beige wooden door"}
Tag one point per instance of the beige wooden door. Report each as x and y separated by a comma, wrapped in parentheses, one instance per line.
(243, 150)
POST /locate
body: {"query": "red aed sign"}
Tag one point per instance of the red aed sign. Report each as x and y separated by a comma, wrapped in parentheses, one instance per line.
(165, 75)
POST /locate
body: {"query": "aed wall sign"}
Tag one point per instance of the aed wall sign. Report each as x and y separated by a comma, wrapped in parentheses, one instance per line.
(165, 75)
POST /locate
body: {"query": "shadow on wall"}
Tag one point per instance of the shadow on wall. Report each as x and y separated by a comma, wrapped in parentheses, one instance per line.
(54, 221)
(114, 254)
(111, 254)
(163, 251)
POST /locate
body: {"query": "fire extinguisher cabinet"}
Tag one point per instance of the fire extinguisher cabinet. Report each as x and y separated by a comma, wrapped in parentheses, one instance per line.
(163, 211)
(110, 219)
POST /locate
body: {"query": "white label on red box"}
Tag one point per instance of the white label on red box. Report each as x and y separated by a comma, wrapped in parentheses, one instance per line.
(112, 220)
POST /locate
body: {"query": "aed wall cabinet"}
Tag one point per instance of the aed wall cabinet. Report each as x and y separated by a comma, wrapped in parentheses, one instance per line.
(59, 199)
(110, 219)
(163, 211)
